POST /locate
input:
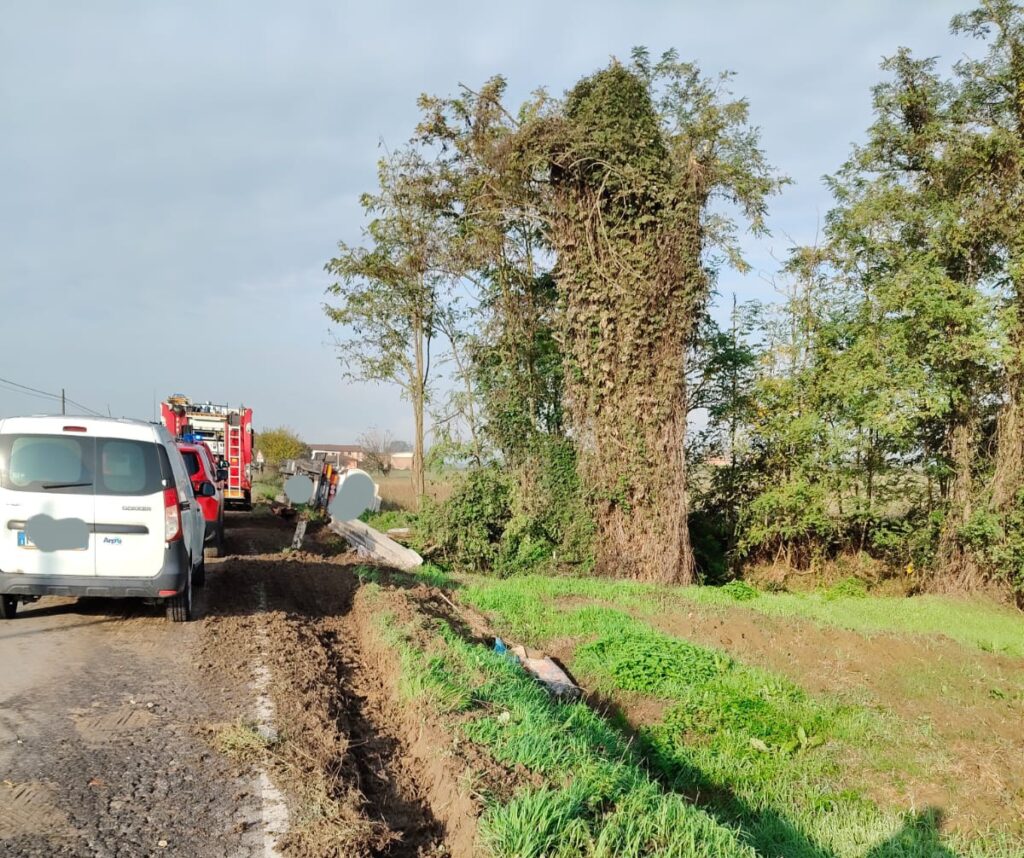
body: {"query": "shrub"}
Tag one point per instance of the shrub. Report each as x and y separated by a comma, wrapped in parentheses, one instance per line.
(651, 662)
(848, 588)
(741, 591)
(465, 531)
(510, 522)
(793, 516)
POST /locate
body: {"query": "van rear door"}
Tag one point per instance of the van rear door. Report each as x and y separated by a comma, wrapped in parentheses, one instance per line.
(131, 475)
(51, 475)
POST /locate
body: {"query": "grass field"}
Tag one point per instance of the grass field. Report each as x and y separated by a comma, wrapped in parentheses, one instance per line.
(980, 624)
(396, 490)
(777, 742)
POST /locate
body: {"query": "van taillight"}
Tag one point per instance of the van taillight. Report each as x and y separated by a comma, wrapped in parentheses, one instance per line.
(172, 516)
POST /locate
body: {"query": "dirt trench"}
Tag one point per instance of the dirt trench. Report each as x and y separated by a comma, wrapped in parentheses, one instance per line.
(363, 772)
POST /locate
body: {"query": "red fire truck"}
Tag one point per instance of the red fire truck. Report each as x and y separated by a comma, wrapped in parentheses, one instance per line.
(227, 431)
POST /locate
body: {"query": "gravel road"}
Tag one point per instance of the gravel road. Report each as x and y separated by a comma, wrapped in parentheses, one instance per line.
(104, 737)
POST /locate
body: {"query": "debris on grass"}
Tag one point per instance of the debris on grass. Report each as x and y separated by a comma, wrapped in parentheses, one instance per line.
(542, 668)
(370, 542)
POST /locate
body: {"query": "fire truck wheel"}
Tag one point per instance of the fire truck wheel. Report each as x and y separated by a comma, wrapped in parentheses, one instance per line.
(217, 548)
(199, 573)
(247, 504)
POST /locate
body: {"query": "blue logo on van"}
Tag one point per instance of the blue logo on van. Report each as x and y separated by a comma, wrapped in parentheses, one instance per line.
(111, 540)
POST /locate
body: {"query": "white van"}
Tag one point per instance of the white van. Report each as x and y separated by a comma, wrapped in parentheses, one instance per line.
(97, 507)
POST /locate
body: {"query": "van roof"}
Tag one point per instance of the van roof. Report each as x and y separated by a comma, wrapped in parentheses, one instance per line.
(105, 427)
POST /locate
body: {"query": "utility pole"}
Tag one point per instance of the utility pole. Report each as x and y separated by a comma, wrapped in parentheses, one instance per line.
(63, 410)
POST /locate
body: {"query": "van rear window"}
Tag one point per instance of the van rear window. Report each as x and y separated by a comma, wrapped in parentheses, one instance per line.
(127, 467)
(62, 464)
(52, 463)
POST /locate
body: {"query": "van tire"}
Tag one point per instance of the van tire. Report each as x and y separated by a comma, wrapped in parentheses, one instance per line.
(199, 573)
(179, 607)
(8, 607)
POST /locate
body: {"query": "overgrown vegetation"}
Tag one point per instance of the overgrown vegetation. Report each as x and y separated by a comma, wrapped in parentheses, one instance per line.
(875, 409)
(564, 251)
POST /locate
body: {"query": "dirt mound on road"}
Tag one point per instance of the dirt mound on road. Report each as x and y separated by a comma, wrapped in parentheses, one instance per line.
(363, 772)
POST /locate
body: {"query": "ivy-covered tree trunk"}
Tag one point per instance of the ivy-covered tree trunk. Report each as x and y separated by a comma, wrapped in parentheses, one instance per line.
(628, 236)
(1008, 469)
(958, 566)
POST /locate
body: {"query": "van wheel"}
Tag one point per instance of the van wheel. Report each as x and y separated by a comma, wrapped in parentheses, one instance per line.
(179, 607)
(199, 573)
(8, 607)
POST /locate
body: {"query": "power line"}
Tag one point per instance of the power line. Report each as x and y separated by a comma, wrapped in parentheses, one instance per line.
(26, 387)
(39, 394)
(24, 392)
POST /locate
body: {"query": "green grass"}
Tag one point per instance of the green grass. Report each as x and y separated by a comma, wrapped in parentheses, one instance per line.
(979, 624)
(596, 799)
(385, 520)
(267, 487)
(765, 758)
(976, 623)
(428, 573)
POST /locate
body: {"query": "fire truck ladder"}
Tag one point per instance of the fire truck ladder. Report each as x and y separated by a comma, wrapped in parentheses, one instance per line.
(233, 453)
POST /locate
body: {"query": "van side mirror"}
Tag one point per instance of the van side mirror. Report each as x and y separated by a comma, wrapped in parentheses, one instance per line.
(207, 489)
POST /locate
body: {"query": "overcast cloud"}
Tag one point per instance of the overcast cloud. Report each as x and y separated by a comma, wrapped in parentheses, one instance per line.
(173, 176)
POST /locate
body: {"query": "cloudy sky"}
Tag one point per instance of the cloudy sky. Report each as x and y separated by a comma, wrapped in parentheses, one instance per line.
(173, 175)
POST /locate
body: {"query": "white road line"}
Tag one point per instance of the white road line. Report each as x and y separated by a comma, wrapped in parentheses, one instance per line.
(274, 810)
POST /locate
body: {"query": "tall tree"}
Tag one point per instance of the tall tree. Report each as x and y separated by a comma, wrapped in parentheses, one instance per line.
(280, 443)
(513, 365)
(637, 158)
(901, 232)
(991, 105)
(393, 292)
(618, 182)
(501, 249)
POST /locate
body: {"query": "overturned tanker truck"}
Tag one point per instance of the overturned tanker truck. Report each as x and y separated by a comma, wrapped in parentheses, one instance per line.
(344, 494)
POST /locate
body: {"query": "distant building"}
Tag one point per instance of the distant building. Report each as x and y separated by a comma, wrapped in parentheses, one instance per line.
(401, 461)
(339, 455)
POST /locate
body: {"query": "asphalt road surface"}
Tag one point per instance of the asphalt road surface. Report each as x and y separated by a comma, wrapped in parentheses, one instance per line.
(105, 726)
